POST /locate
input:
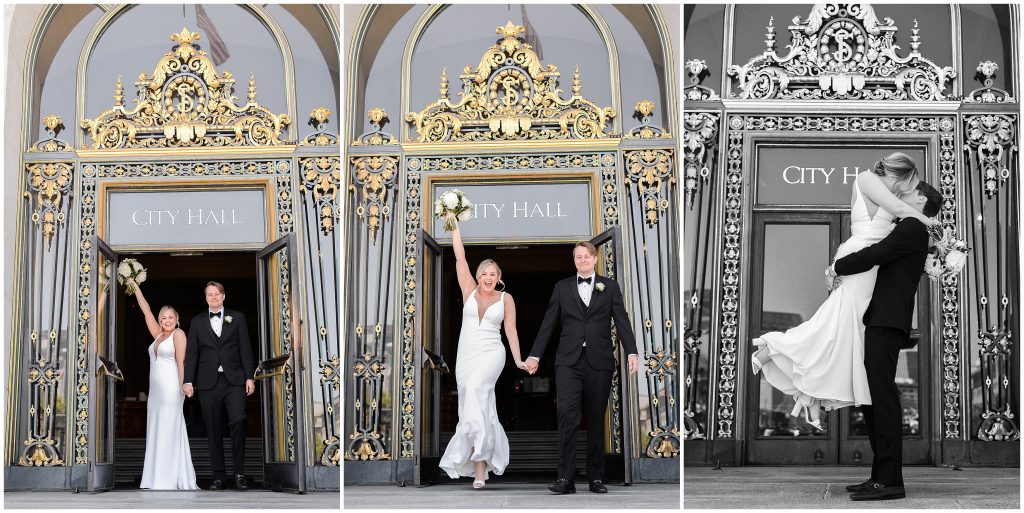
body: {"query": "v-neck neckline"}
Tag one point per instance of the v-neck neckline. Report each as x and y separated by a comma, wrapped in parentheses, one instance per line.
(480, 318)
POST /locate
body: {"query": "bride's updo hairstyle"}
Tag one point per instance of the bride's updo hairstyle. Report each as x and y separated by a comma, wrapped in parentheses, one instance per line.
(900, 166)
(166, 309)
(483, 265)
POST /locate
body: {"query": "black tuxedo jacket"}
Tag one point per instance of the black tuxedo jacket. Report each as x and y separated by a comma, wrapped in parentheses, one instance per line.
(585, 324)
(900, 259)
(206, 351)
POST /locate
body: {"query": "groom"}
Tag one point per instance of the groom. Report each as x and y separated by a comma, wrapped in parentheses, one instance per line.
(900, 259)
(218, 359)
(584, 305)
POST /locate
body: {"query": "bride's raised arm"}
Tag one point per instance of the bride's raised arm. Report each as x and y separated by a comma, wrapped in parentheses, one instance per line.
(466, 281)
(154, 327)
(872, 187)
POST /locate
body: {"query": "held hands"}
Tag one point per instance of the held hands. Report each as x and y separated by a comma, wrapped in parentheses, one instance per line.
(187, 389)
(530, 365)
(832, 281)
(250, 387)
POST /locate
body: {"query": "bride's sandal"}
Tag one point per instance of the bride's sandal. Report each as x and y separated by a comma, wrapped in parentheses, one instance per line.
(812, 414)
(756, 362)
(478, 484)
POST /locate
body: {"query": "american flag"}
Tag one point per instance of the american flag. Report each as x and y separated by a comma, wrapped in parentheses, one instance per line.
(218, 50)
(530, 34)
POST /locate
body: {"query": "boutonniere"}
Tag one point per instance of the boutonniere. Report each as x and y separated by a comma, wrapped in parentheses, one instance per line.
(228, 319)
(599, 287)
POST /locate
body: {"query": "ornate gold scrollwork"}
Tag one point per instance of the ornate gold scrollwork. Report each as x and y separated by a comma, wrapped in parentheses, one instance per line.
(48, 182)
(844, 52)
(644, 113)
(376, 137)
(40, 453)
(322, 175)
(53, 126)
(663, 444)
(510, 95)
(318, 118)
(375, 174)
(186, 103)
(649, 169)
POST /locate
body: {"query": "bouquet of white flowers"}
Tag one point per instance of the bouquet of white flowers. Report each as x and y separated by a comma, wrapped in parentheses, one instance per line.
(947, 255)
(453, 202)
(130, 268)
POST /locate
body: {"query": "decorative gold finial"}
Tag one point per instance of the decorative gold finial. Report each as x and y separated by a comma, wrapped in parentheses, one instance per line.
(645, 107)
(252, 87)
(510, 30)
(576, 85)
(377, 116)
(186, 36)
(53, 122)
(444, 83)
(118, 93)
(320, 114)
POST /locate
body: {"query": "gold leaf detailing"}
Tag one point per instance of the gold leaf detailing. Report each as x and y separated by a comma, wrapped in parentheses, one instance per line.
(48, 182)
(510, 95)
(186, 103)
(322, 175)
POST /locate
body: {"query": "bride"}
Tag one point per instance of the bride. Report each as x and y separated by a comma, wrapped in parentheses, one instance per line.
(168, 464)
(821, 362)
(479, 445)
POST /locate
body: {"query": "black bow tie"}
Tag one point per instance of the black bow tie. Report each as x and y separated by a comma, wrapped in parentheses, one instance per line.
(216, 314)
(580, 279)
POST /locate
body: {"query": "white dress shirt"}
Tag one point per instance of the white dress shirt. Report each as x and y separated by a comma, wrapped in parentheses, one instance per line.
(217, 323)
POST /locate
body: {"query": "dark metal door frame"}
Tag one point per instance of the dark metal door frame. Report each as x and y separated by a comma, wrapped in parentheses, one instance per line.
(101, 475)
(282, 475)
(427, 430)
(840, 446)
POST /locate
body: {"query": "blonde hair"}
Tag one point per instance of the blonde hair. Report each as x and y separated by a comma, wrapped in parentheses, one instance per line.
(163, 309)
(586, 244)
(483, 265)
(900, 166)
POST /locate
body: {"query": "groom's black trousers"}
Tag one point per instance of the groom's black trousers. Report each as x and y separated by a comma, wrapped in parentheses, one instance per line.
(884, 416)
(224, 396)
(578, 384)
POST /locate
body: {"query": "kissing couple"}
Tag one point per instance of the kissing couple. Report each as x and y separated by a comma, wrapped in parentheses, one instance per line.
(846, 353)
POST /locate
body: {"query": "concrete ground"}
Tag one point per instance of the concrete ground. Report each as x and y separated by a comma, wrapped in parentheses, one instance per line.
(825, 487)
(514, 495)
(202, 499)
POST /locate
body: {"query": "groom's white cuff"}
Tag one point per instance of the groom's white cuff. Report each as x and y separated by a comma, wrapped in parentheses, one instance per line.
(534, 357)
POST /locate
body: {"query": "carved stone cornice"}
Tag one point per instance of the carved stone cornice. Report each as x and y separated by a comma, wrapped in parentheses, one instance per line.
(510, 95)
(185, 103)
(842, 52)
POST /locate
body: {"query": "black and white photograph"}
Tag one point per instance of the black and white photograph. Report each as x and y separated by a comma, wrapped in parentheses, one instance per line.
(851, 267)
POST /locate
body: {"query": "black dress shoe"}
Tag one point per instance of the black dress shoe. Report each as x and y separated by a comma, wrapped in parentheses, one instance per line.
(240, 483)
(880, 492)
(562, 486)
(866, 485)
(598, 487)
(217, 485)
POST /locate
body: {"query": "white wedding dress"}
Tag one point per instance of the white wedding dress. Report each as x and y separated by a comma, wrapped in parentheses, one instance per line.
(481, 357)
(821, 362)
(168, 464)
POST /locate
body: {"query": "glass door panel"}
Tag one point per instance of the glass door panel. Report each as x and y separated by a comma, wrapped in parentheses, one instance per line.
(787, 279)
